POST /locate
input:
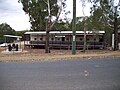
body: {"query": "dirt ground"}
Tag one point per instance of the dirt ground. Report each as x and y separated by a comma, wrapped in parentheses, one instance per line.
(32, 55)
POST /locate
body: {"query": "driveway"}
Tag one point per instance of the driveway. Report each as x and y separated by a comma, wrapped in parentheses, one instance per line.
(95, 74)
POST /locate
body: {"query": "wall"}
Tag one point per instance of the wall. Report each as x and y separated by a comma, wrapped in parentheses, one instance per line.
(67, 38)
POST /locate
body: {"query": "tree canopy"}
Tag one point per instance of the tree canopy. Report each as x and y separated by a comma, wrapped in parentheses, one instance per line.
(108, 15)
(5, 29)
(38, 12)
(106, 11)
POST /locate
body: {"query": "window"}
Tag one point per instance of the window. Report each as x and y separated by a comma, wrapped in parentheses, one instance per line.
(88, 39)
(41, 39)
(52, 39)
(94, 39)
(81, 39)
(67, 39)
(35, 38)
(58, 39)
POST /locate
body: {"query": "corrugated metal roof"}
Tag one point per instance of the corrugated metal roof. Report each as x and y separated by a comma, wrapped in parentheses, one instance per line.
(12, 36)
(65, 32)
(41, 32)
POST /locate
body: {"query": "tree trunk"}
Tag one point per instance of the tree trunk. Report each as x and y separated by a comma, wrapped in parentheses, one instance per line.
(50, 24)
(47, 48)
(85, 43)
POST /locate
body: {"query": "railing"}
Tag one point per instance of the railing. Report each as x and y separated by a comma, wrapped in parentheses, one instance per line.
(37, 42)
(68, 44)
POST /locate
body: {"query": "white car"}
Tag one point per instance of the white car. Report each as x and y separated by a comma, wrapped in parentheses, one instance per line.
(4, 45)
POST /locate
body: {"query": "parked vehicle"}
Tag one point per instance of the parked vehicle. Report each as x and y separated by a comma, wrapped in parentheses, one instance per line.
(4, 45)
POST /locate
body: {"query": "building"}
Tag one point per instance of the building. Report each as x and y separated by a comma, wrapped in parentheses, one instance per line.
(63, 39)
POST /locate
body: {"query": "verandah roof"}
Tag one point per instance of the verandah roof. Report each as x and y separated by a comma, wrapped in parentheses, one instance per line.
(12, 36)
(65, 32)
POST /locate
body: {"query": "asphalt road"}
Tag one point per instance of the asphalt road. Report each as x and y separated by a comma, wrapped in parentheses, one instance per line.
(94, 74)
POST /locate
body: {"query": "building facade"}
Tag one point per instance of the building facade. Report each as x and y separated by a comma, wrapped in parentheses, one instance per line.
(63, 39)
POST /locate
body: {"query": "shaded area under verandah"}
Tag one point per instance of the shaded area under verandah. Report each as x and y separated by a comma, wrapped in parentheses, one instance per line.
(14, 46)
(63, 40)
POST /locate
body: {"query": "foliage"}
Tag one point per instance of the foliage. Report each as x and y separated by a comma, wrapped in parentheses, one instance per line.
(105, 10)
(38, 12)
(62, 26)
(4, 30)
(35, 10)
(41, 13)
(109, 15)
(20, 33)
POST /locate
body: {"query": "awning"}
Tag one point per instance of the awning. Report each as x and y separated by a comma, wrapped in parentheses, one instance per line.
(59, 36)
(12, 36)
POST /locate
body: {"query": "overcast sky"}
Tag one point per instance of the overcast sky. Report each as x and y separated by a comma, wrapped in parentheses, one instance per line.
(11, 13)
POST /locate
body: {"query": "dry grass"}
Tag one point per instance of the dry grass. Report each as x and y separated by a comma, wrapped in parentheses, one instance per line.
(40, 55)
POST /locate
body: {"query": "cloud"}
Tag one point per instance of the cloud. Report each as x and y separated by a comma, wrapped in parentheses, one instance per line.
(78, 8)
(12, 13)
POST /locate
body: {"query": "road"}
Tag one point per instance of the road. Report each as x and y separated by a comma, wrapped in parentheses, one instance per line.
(93, 74)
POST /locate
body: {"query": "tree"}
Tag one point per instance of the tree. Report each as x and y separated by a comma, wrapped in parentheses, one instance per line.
(4, 30)
(41, 13)
(109, 15)
(36, 9)
(85, 24)
(21, 33)
(61, 26)
(95, 24)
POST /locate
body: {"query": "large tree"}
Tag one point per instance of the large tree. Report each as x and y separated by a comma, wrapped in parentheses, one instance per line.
(38, 12)
(42, 13)
(6, 29)
(62, 26)
(108, 15)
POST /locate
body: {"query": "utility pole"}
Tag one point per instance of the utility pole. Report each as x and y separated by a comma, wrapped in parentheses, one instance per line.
(115, 30)
(74, 29)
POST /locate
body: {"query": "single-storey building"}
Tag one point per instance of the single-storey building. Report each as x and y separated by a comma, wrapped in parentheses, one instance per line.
(63, 39)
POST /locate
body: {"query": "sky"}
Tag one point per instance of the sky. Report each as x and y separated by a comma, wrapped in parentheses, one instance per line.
(11, 13)
(78, 8)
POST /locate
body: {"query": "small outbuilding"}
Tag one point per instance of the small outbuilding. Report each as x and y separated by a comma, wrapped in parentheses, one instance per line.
(15, 46)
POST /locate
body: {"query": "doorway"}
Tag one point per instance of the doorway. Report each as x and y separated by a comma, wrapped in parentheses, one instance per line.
(63, 38)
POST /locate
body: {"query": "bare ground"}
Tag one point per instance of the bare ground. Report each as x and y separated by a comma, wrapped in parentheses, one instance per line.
(31, 55)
